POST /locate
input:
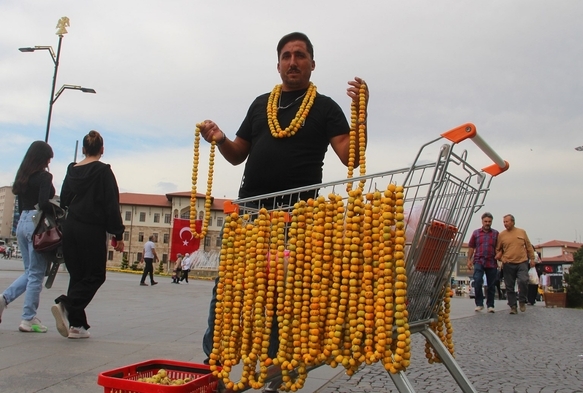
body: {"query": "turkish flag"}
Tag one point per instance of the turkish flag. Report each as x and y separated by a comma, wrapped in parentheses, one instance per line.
(182, 240)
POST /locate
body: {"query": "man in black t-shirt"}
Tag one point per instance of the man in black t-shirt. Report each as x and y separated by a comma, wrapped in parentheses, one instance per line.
(280, 159)
(279, 163)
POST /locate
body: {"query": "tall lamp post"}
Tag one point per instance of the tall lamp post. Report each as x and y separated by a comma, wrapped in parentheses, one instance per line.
(61, 31)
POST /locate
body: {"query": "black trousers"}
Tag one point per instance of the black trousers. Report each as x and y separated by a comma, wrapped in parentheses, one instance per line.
(532, 293)
(85, 253)
(148, 269)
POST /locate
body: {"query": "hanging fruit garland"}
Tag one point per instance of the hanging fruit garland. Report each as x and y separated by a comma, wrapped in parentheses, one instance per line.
(357, 132)
(298, 121)
(208, 199)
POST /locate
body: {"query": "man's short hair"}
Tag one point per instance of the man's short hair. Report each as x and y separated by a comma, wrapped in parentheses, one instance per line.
(511, 217)
(295, 36)
(488, 215)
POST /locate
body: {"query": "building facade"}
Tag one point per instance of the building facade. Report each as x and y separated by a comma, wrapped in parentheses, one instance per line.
(8, 213)
(146, 215)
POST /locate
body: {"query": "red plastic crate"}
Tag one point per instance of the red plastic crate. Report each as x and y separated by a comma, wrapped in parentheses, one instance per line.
(125, 379)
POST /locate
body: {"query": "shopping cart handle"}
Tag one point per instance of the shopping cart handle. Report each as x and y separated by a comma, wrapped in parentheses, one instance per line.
(468, 130)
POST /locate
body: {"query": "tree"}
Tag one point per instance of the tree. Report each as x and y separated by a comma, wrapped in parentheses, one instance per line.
(574, 280)
(124, 262)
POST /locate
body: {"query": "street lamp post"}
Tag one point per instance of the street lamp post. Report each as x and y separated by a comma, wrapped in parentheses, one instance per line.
(61, 30)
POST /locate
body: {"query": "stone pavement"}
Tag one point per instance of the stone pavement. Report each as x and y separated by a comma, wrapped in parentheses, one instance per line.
(538, 351)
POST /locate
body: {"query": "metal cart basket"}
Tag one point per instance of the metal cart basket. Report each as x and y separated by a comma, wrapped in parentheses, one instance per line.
(442, 192)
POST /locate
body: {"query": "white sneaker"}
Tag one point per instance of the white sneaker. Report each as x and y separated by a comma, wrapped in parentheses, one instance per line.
(78, 332)
(32, 326)
(3, 305)
(61, 319)
(491, 310)
(479, 308)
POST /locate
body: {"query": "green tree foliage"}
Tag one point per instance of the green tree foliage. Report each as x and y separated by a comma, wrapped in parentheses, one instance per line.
(124, 262)
(574, 280)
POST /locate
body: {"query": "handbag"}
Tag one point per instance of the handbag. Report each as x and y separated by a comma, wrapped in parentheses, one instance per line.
(47, 235)
(47, 240)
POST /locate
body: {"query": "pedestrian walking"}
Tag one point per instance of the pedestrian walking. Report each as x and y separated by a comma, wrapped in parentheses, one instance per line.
(91, 196)
(178, 269)
(515, 251)
(186, 264)
(33, 185)
(149, 257)
(481, 258)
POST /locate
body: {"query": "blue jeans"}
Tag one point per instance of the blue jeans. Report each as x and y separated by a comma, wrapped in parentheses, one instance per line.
(491, 276)
(35, 265)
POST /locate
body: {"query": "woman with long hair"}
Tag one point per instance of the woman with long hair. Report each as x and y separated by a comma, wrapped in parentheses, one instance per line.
(91, 197)
(33, 185)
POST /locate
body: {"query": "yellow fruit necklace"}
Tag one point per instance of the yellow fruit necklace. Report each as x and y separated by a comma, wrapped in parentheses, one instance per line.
(297, 121)
(207, 201)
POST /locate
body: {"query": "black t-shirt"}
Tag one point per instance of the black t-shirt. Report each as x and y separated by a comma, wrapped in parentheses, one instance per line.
(39, 190)
(277, 164)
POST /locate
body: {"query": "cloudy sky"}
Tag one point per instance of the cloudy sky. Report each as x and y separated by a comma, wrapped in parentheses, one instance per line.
(513, 68)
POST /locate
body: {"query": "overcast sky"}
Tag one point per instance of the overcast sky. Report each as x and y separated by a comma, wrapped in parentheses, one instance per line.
(513, 68)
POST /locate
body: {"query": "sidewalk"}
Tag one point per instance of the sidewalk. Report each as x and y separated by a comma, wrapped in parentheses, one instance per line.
(131, 324)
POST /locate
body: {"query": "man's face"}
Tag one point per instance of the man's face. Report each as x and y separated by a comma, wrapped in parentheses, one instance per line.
(508, 223)
(295, 66)
(486, 223)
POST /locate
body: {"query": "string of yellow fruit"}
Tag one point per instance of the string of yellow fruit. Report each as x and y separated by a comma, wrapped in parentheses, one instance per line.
(357, 132)
(297, 121)
(443, 323)
(330, 317)
(207, 200)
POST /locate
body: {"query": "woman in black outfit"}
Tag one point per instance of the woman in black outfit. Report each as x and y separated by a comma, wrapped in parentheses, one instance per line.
(33, 185)
(91, 195)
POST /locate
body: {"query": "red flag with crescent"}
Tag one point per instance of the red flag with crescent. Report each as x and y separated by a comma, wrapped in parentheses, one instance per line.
(182, 240)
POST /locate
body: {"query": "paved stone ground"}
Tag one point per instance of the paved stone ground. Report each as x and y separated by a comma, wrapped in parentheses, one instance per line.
(536, 351)
(540, 350)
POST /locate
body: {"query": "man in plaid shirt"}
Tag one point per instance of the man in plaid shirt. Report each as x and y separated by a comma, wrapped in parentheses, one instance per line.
(481, 257)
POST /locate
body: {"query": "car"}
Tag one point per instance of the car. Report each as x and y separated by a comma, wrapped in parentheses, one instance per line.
(3, 250)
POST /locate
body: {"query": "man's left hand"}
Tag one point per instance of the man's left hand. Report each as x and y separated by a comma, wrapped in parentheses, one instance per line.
(354, 89)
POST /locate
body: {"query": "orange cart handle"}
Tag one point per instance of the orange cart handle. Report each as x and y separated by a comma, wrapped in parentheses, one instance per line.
(468, 130)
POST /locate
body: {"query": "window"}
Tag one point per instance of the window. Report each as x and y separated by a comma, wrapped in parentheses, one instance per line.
(125, 255)
(139, 256)
(210, 221)
(167, 218)
(164, 258)
(218, 243)
(141, 236)
(156, 217)
(166, 238)
(142, 216)
(155, 239)
(128, 216)
(201, 215)
(126, 236)
(220, 222)
(110, 255)
(207, 241)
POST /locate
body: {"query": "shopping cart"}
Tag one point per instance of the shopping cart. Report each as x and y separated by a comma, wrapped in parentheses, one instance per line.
(442, 192)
